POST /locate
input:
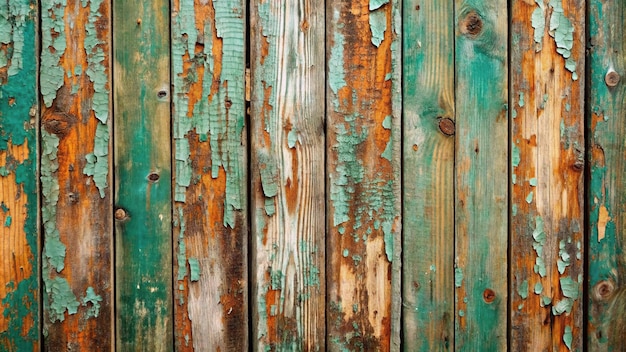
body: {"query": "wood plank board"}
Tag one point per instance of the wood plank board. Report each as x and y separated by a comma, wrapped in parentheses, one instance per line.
(19, 243)
(142, 146)
(287, 174)
(210, 176)
(428, 176)
(481, 196)
(363, 175)
(547, 164)
(606, 195)
(76, 178)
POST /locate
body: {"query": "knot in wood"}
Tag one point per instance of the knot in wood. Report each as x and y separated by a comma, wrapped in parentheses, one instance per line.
(489, 295)
(120, 214)
(612, 78)
(471, 24)
(447, 126)
(603, 290)
(153, 177)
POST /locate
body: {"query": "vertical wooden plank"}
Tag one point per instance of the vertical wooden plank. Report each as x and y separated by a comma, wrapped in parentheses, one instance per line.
(143, 228)
(547, 156)
(606, 195)
(363, 166)
(77, 219)
(481, 175)
(428, 185)
(19, 246)
(288, 157)
(210, 190)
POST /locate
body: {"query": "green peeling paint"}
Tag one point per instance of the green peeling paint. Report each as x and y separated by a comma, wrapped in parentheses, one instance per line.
(538, 22)
(533, 181)
(378, 26)
(568, 337)
(515, 156)
(181, 255)
(98, 162)
(7, 221)
(194, 269)
(529, 198)
(458, 277)
(53, 45)
(538, 288)
(522, 289)
(218, 115)
(375, 4)
(569, 287)
(61, 299)
(521, 100)
(96, 70)
(336, 71)
(94, 300)
(562, 30)
(53, 249)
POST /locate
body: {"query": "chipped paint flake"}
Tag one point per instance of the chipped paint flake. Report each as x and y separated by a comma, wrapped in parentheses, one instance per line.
(568, 337)
(98, 162)
(94, 300)
(61, 298)
(378, 26)
(522, 289)
(458, 277)
(194, 269)
(538, 22)
(562, 30)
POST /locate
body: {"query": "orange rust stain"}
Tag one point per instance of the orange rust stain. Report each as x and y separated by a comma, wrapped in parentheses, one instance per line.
(272, 299)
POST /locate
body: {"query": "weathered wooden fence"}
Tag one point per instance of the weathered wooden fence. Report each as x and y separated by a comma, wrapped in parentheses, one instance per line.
(296, 175)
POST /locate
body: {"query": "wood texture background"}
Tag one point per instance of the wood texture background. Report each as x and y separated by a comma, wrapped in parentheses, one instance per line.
(199, 175)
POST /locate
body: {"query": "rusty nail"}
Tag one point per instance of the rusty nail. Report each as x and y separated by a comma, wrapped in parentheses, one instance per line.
(120, 214)
(162, 94)
(138, 21)
(603, 290)
(612, 78)
(489, 295)
(446, 126)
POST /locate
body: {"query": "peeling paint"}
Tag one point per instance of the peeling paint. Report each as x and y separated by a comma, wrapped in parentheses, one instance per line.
(378, 26)
(458, 277)
(568, 337)
(53, 44)
(53, 249)
(522, 289)
(538, 288)
(562, 30)
(336, 74)
(194, 269)
(538, 22)
(61, 298)
(98, 162)
(94, 300)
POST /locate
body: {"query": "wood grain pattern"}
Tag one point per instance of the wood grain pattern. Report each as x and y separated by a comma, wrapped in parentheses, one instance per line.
(481, 175)
(143, 220)
(363, 159)
(287, 137)
(547, 106)
(19, 243)
(428, 185)
(78, 224)
(606, 195)
(210, 190)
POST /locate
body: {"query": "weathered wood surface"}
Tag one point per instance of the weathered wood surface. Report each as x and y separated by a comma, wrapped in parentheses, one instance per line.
(143, 204)
(547, 164)
(77, 218)
(606, 196)
(210, 187)
(287, 173)
(427, 176)
(481, 175)
(19, 243)
(363, 160)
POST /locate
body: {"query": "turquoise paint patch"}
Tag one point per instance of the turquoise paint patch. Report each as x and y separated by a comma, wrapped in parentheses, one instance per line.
(529, 198)
(52, 48)
(533, 181)
(515, 156)
(61, 298)
(538, 288)
(53, 249)
(378, 26)
(458, 277)
(292, 138)
(563, 306)
(562, 30)
(569, 287)
(538, 21)
(94, 300)
(194, 269)
(97, 164)
(568, 337)
(375, 4)
(7, 221)
(522, 289)
(336, 71)
(181, 256)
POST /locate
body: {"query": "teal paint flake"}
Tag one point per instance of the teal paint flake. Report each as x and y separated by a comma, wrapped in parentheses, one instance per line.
(529, 197)
(461, 313)
(181, 255)
(458, 277)
(520, 306)
(4, 172)
(522, 289)
(269, 175)
(376, 4)
(61, 298)
(387, 122)
(7, 221)
(538, 22)
(292, 138)
(521, 102)
(562, 30)
(97, 164)
(336, 71)
(514, 179)
(514, 209)
(52, 48)
(569, 287)
(538, 288)
(540, 267)
(378, 26)
(346, 253)
(219, 117)
(96, 69)
(53, 249)
(194, 269)
(515, 156)
(563, 306)
(91, 297)
(568, 337)
(4, 207)
(545, 301)
(533, 181)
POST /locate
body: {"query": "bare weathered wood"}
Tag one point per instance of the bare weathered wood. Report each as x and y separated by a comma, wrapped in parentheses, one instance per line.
(606, 191)
(428, 130)
(143, 215)
(547, 156)
(77, 218)
(210, 232)
(481, 175)
(363, 165)
(287, 124)
(19, 243)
